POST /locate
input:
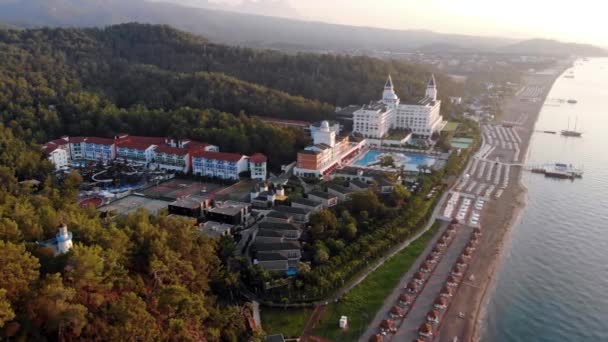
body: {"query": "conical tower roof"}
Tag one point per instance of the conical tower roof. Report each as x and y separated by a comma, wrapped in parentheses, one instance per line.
(432, 83)
(389, 82)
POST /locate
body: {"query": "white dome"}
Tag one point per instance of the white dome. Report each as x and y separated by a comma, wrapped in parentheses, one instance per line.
(325, 126)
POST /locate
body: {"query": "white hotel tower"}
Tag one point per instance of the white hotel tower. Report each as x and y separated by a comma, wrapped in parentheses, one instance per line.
(422, 118)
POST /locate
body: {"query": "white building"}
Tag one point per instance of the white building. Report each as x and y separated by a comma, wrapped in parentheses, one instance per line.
(422, 118)
(57, 152)
(136, 152)
(62, 243)
(327, 152)
(172, 158)
(99, 149)
(219, 165)
(59, 158)
(257, 166)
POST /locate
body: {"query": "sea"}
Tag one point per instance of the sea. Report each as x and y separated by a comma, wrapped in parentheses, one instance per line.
(552, 284)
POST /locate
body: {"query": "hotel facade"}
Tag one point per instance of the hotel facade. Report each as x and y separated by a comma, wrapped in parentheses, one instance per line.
(422, 118)
(185, 156)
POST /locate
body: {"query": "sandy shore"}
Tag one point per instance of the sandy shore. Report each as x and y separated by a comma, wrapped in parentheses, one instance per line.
(499, 216)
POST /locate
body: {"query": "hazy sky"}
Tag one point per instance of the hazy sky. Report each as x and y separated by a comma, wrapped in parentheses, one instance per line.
(569, 20)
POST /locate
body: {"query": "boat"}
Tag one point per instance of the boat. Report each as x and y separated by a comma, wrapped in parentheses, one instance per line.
(572, 133)
(572, 101)
(559, 170)
(550, 132)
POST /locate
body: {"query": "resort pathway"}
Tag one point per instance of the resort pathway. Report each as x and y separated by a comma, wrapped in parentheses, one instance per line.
(393, 298)
(424, 302)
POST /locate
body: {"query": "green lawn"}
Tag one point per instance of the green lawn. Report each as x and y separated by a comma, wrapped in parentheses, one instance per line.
(451, 127)
(288, 322)
(363, 302)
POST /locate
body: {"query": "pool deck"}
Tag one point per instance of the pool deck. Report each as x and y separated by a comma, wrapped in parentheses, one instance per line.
(363, 161)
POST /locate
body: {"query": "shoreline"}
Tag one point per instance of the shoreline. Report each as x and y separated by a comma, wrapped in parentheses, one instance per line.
(504, 216)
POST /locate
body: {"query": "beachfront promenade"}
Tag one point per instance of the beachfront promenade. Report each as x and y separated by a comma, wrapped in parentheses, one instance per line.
(408, 331)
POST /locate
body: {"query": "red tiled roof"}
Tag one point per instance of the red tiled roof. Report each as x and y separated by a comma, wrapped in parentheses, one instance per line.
(49, 147)
(134, 145)
(258, 158)
(193, 145)
(433, 314)
(144, 140)
(77, 139)
(58, 142)
(172, 150)
(99, 141)
(234, 157)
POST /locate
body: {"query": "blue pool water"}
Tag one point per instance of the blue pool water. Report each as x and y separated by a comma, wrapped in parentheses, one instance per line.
(409, 161)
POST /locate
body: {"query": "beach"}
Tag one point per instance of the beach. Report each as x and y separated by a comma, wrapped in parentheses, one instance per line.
(464, 316)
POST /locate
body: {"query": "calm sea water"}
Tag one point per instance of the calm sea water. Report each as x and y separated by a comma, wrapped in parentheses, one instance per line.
(553, 281)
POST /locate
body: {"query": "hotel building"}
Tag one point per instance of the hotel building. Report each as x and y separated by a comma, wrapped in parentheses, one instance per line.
(422, 118)
(158, 153)
(99, 149)
(219, 165)
(326, 154)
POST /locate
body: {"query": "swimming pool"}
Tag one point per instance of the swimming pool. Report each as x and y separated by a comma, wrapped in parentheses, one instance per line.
(409, 161)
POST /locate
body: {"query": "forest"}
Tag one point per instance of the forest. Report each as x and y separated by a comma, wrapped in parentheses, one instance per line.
(135, 279)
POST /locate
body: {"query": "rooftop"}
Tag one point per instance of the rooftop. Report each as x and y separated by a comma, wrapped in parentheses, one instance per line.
(276, 246)
(213, 228)
(291, 210)
(191, 202)
(323, 195)
(172, 150)
(258, 158)
(306, 202)
(278, 214)
(339, 188)
(229, 208)
(100, 141)
(277, 226)
(233, 157)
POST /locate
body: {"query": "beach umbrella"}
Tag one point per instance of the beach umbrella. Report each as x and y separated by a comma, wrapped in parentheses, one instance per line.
(396, 311)
(461, 261)
(433, 316)
(387, 324)
(440, 303)
(405, 299)
(412, 287)
(376, 338)
(426, 329)
(457, 270)
(452, 281)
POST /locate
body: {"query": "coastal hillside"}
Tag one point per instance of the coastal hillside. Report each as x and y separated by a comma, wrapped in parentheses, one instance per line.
(548, 47)
(230, 27)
